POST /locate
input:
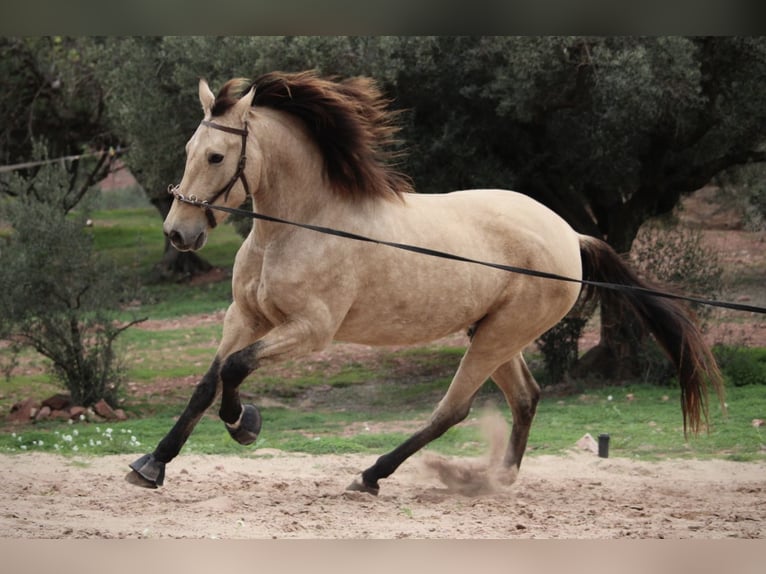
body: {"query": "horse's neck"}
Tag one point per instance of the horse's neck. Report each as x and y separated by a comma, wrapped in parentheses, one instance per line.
(291, 184)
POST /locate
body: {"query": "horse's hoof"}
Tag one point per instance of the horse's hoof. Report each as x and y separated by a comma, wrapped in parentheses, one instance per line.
(360, 486)
(147, 471)
(248, 427)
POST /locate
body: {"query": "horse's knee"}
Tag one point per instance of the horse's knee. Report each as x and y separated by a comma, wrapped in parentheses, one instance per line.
(450, 414)
(239, 365)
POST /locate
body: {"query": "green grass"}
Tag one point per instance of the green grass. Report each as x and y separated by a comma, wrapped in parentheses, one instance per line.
(647, 427)
(650, 426)
(133, 237)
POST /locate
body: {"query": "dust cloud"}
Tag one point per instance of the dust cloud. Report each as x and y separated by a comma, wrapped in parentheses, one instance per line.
(481, 475)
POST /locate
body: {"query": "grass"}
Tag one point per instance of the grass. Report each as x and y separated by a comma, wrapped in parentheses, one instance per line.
(328, 408)
(133, 238)
(648, 427)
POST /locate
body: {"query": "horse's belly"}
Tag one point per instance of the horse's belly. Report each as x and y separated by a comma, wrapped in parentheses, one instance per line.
(418, 313)
(403, 332)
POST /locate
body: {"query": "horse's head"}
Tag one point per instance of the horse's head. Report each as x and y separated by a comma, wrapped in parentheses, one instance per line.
(214, 172)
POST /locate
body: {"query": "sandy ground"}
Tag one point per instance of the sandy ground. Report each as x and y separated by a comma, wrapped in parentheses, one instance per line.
(278, 495)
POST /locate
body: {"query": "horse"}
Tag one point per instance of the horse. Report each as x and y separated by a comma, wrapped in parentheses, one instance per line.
(322, 151)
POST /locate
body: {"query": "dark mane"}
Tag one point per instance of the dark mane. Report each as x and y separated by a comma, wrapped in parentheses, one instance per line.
(349, 120)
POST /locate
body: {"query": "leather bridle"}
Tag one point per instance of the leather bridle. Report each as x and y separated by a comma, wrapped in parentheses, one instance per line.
(224, 191)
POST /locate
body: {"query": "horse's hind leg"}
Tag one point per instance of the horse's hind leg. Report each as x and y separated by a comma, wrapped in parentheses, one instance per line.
(522, 393)
(474, 370)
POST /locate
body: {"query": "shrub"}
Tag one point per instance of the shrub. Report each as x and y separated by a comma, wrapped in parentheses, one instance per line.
(741, 366)
(56, 296)
(560, 348)
(675, 258)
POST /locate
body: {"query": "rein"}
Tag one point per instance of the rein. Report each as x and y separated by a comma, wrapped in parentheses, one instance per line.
(208, 206)
(224, 191)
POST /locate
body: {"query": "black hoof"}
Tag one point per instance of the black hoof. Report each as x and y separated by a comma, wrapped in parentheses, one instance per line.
(147, 472)
(359, 485)
(249, 426)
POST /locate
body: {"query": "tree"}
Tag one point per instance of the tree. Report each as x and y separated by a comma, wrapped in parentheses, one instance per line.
(51, 94)
(608, 132)
(56, 296)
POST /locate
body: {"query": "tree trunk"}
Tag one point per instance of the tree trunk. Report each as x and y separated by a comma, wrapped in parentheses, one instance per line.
(618, 355)
(177, 264)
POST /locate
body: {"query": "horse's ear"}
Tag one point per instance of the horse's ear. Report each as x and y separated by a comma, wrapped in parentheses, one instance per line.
(206, 97)
(243, 105)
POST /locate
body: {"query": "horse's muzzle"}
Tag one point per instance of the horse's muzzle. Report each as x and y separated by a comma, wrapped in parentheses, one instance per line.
(182, 242)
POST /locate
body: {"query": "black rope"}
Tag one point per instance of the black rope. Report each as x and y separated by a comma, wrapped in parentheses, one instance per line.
(453, 257)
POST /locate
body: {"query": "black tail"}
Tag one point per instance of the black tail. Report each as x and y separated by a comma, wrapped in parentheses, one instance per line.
(672, 324)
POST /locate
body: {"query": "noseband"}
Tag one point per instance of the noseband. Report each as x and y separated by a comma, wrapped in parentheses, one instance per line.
(224, 191)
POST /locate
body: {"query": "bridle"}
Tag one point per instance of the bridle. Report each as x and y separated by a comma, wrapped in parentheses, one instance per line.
(224, 191)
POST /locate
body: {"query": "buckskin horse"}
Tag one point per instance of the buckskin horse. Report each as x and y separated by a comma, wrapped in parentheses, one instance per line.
(319, 151)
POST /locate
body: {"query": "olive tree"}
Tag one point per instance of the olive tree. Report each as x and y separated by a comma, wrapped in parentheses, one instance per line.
(608, 132)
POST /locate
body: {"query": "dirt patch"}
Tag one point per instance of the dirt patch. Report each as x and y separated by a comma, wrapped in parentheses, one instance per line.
(276, 495)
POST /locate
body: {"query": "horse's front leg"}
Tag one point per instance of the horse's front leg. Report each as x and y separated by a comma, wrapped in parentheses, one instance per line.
(289, 340)
(149, 470)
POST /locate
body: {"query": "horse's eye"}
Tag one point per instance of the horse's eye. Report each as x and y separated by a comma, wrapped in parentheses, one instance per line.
(215, 158)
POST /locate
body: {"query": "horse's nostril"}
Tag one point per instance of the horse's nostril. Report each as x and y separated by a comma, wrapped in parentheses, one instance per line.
(174, 236)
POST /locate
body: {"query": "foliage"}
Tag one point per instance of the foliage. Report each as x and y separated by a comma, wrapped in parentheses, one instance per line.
(741, 365)
(606, 131)
(56, 296)
(559, 346)
(745, 188)
(675, 256)
(53, 95)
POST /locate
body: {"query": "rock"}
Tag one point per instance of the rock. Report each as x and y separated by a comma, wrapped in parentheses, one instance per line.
(60, 415)
(24, 410)
(43, 413)
(75, 412)
(587, 442)
(120, 414)
(58, 402)
(103, 409)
